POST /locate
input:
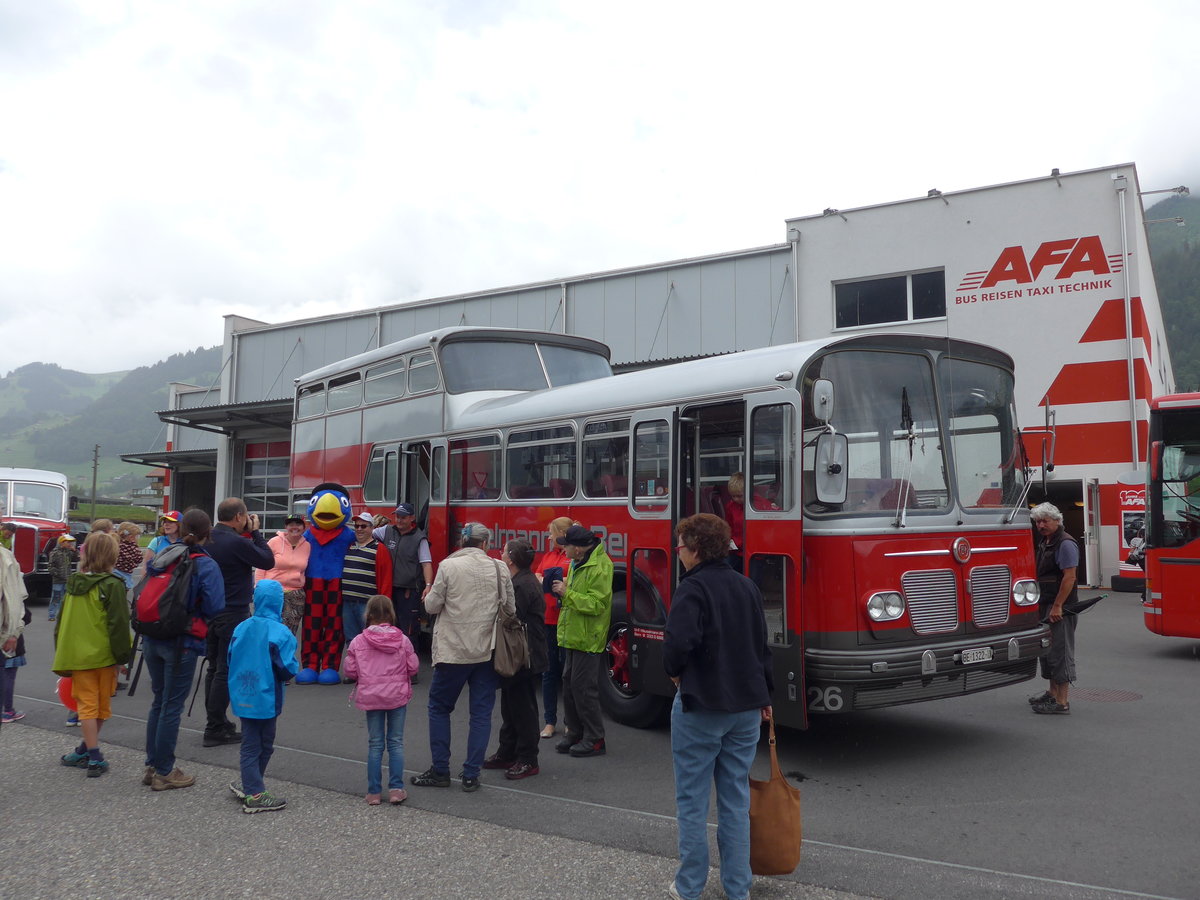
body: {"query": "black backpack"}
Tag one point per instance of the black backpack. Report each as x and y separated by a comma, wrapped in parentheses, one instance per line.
(160, 600)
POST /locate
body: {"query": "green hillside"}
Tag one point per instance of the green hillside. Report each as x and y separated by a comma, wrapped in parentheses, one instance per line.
(1175, 254)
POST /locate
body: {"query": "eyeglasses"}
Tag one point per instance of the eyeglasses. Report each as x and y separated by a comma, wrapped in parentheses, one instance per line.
(360, 527)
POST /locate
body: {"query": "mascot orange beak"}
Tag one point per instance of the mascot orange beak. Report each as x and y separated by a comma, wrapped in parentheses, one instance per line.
(327, 512)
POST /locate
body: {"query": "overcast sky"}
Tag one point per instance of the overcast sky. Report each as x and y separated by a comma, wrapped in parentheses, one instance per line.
(164, 163)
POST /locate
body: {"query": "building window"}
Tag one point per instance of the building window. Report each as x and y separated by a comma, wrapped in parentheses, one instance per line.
(265, 483)
(897, 298)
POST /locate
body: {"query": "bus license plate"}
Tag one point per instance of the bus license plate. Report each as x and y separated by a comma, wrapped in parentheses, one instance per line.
(978, 655)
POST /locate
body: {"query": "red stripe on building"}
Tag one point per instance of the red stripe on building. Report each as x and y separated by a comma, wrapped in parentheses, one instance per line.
(1093, 443)
(1109, 324)
(1097, 382)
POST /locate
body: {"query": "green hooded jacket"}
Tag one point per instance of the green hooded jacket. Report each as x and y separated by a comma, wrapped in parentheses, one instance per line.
(587, 604)
(92, 629)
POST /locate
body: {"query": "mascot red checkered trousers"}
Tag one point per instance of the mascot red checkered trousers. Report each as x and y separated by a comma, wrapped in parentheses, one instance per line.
(321, 629)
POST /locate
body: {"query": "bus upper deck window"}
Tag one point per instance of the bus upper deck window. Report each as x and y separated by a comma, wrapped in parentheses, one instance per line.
(385, 382)
(310, 401)
(422, 373)
(345, 392)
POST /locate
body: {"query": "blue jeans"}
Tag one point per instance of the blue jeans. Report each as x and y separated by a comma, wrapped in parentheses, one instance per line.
(171, 669)
(448, 682)
(354, 619)
(552, 676)
(708, 746)
(390, 721)
(57, 592)
(258, 744)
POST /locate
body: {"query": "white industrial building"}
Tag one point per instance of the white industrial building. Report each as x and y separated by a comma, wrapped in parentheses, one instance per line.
(1053, 270)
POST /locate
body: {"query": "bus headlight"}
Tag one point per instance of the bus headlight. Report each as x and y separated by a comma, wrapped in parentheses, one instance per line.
(885, 606)
(1026, 592)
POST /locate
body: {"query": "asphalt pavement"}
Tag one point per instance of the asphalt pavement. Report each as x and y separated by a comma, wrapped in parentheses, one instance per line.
(111, 837)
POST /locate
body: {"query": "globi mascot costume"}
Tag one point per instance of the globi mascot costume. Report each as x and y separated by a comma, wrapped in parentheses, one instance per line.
(321, 630)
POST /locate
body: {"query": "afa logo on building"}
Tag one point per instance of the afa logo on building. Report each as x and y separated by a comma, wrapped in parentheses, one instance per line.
(1051, 268)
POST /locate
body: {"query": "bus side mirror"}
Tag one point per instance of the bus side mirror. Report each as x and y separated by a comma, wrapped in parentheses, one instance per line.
(822, 400)
(830, 468)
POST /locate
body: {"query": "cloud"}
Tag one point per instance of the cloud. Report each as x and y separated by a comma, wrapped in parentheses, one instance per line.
(162, 159)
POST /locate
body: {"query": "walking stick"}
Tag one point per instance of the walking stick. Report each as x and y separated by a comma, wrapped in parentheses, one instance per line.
(137, 673)
(199, 678)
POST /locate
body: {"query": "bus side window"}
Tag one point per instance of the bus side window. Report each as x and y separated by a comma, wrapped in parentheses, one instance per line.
(541, 463)
(382, 479)
(769, 482)
(475, 468)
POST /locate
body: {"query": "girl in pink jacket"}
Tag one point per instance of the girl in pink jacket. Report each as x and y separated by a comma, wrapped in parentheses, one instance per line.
(383, 661)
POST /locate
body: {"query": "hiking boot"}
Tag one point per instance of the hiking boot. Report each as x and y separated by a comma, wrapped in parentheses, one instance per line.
(372, 799)
(236, 790)
(169, 782)
(521, 770)
(1052, 709)
(148, 776)
(97, 767)
(1038, 699)
(431, 777)
(264, 802)
(470, 785)
(396, 796)
(75, 760)
(596, 748)
(496, 762)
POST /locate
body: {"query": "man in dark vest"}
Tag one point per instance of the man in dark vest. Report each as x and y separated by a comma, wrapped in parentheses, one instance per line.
(412, 569)
(1057, 561)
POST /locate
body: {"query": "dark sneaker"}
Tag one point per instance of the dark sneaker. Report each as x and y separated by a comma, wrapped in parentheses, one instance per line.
(236, 789)
(217, 738)
(1052, 709)
(96, 768)
(431, 778)
(75, 760)
(565, 745)
(496, 762)
(170, 782)
(148, 776)
(1043, 697)
(264, 802)
(521, 770)
(470, 785)
(596, 748)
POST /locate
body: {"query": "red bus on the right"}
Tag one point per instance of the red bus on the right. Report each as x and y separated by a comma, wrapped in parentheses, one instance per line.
(1172, 561)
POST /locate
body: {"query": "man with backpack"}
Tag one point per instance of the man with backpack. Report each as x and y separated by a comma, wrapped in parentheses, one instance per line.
(181, 594)
(238, 548)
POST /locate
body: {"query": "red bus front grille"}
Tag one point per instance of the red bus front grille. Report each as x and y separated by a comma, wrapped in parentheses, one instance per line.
(932, 599)
(990, 589)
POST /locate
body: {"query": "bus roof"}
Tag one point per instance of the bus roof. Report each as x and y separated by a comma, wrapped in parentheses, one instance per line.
(731, 375)
(12, 473)
(434, 339)
(1176, 401)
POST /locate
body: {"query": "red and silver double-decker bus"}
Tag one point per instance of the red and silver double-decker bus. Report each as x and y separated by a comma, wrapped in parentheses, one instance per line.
(36, 502)
(1172, 524)
(884, 486)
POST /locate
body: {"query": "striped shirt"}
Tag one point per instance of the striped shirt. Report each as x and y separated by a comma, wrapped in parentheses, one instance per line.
(358, 575)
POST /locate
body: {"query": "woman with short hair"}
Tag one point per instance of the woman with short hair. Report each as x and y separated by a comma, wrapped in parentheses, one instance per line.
(715, 650)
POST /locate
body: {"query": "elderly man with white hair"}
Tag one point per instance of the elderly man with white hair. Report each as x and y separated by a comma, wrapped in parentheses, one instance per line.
(1057, 561)
(468, 592)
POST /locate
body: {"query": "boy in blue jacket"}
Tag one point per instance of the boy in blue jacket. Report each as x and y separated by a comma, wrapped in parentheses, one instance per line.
(262, 656)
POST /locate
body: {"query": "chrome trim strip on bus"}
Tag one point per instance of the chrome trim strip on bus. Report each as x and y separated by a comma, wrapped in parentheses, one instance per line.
(974, 550)
(1152, 610)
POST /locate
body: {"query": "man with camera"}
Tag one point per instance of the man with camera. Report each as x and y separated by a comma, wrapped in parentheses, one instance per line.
(238, 548)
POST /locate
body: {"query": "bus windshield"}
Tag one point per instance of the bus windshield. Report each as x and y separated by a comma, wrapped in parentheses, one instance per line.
(887, 409)
(982, 423)
(1179, 485)
(37, 501)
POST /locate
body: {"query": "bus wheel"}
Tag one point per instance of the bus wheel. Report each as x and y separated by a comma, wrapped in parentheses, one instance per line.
(620, 700)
